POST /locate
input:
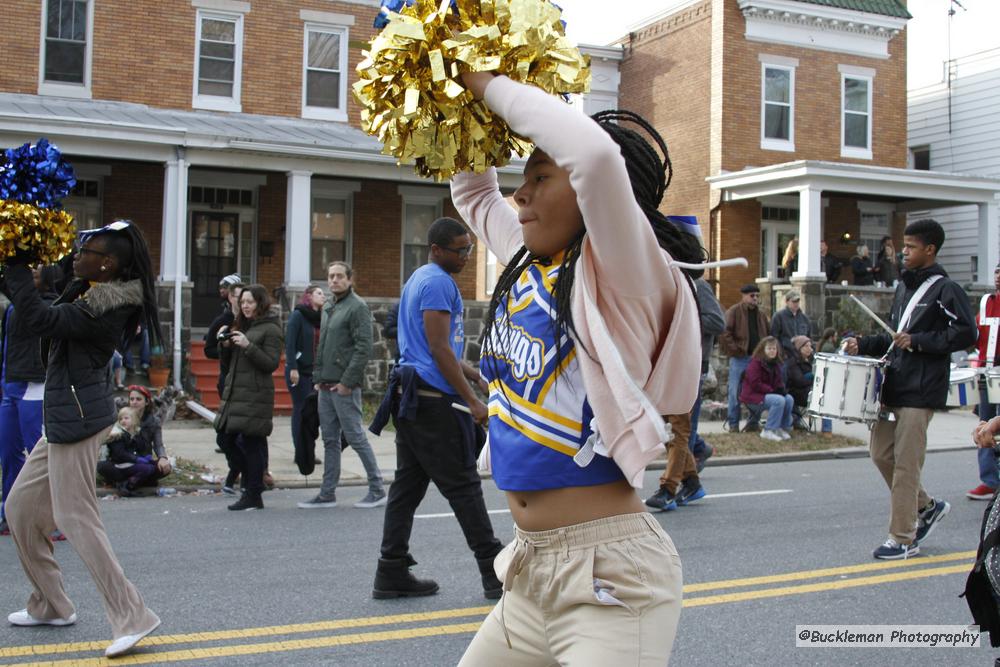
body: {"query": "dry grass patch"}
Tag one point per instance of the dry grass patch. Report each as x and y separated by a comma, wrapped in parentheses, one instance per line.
(748, 444)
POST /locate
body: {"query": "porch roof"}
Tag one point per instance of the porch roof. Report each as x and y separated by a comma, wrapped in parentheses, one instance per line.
(911, 189)
(125, 130)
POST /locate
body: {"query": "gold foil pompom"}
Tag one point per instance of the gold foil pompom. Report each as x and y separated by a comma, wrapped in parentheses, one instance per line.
(43, 233)
(411, 90)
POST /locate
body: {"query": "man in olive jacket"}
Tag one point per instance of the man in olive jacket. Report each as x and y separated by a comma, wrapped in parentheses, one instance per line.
(345, 346)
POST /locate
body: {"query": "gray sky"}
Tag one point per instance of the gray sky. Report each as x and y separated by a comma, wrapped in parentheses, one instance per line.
(601, 21)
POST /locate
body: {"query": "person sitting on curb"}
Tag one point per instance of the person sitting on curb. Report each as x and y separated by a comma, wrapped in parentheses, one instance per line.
(125, 467)
(799, 374)
(764, 389)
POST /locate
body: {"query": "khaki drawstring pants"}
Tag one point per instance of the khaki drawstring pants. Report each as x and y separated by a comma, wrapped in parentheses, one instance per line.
(605, 592)
(57, 487)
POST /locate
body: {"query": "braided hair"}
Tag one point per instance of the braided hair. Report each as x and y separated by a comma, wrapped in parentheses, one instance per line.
(129, 246)
(649, 177)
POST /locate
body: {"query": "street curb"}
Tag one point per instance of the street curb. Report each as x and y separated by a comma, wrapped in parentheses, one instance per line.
(660, 464)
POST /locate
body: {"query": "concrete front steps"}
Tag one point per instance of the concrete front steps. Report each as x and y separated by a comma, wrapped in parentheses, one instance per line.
(205, 373)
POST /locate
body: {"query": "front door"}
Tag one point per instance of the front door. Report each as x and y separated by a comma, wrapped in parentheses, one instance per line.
(213, 256)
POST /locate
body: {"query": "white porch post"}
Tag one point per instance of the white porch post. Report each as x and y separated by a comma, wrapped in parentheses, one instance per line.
(989, 241)
(810, 225)
(297, 228)
(168, 246)
(180, 257)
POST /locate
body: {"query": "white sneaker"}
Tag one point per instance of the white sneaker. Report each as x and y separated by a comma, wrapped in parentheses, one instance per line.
(319, 502)
(371, 500)
(770, 435)
(24, 619)
(123, 645)
(785, 435)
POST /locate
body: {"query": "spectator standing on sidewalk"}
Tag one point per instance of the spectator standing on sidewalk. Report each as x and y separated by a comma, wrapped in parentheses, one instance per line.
(988, 320)
(22, 383)
(253, 352)
(932, 318)
(746, 324)
(230, 288)
(301, 339)
(790, 322)
(886, 264)
(345, 346)
(434, 441)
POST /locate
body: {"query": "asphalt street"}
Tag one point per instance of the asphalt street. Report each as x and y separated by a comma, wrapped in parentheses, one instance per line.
(293, 586)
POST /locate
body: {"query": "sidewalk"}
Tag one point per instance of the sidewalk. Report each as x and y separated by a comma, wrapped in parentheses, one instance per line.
(195, 440)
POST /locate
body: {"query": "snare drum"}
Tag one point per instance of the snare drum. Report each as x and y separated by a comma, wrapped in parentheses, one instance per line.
(846, 388)
(993, 385)
(963, 388)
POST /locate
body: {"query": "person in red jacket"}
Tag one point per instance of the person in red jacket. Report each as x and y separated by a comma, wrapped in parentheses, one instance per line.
(988, 320)
(763, 387)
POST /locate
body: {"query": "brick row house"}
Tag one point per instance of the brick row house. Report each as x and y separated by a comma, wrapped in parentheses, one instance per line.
(788, 119)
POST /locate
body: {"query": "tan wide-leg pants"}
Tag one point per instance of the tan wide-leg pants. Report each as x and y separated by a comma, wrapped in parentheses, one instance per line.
(605, 592)
(897, 450)
(57, 487)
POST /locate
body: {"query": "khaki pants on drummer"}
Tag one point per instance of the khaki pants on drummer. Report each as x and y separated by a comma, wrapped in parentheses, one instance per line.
(57, 488)
(897, 450)
(605, 592)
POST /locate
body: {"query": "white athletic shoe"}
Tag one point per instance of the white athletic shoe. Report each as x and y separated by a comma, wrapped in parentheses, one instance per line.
(785, 435)
(24, 619)
(123, 645)
(767, 434)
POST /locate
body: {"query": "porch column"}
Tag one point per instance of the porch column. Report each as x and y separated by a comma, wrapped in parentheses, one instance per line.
(298, 213)
(810, 225)
(168, 245)
(989, 241)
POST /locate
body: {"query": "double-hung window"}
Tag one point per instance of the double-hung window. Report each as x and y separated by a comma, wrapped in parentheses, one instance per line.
(777, 103)
(856, 112)
(218, 61)
(421, 207)
(67, 37)
(324, 65)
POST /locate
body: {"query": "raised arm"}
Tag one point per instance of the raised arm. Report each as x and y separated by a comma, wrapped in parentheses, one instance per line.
(620, 233)
(478, 200)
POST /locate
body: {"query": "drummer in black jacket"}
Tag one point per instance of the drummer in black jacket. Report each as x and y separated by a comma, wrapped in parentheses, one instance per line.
(939, 321)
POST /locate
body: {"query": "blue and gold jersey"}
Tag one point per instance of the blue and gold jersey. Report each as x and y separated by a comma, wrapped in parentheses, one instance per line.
(539, 414)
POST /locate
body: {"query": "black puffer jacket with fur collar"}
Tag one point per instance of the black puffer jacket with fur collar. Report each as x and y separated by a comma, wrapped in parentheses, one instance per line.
(82, 328)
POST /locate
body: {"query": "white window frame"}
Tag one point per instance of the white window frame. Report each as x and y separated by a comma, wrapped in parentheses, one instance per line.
(333, 23)
(421, 196)
(781, 63)
(868, 76)
(217, 102)
(62, 88)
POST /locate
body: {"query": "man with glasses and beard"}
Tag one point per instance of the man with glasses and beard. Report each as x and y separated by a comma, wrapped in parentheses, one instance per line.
(434, 441)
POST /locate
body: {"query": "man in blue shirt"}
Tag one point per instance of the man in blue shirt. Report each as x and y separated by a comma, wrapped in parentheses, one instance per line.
(438, 443)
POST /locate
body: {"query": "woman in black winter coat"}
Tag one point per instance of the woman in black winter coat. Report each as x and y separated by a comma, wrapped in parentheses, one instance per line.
(301, 336)
(253, 350)
(113, 293)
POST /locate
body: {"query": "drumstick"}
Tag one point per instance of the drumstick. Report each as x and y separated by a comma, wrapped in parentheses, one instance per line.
(461, 408)
(873, 315)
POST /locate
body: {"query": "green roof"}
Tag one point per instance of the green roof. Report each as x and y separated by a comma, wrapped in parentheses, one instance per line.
(884, 7)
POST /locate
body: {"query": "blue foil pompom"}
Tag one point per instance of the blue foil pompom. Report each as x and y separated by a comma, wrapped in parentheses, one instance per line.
(36, 174)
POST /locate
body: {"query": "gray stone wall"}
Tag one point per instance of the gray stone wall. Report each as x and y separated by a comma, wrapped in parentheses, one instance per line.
(384, 349)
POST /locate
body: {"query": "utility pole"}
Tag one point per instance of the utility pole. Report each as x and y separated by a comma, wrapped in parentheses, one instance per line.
(950, 65)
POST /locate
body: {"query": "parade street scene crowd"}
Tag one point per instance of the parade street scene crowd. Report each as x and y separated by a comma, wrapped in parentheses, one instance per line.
(563, 408)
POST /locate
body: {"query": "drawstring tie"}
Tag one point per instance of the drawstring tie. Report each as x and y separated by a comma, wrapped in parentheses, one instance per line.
(524, 551)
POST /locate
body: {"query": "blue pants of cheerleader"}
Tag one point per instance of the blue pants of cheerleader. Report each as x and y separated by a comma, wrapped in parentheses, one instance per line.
(20, 429)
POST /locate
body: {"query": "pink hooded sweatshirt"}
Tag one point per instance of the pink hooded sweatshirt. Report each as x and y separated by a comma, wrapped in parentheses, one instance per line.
(634, 312)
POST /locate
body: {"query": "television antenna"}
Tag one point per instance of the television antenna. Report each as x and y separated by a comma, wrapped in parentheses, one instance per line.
(950, 64)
